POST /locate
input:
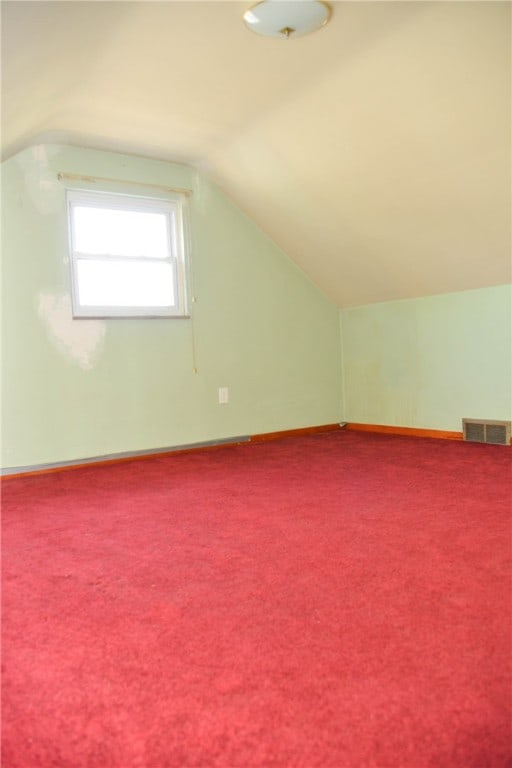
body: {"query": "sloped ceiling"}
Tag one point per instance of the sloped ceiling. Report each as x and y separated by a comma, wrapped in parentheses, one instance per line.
(376, 152)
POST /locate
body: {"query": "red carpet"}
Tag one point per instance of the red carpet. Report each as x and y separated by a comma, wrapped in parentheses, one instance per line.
(333, 601)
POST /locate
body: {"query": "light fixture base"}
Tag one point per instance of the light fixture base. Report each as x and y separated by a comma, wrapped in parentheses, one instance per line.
(287, 19)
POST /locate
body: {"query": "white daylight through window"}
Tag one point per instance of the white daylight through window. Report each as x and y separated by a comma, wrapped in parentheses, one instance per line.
(127, 255)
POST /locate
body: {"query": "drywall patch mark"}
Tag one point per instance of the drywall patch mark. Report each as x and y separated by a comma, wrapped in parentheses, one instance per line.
(41, 183)
(82, 340)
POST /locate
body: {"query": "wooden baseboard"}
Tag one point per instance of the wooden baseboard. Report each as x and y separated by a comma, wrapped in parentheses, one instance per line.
(121, 459)
(408, 431)
(257, 438)
(294, 433)
(162, 453)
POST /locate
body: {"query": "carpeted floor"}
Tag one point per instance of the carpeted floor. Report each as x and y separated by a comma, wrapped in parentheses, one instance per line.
(333, 601)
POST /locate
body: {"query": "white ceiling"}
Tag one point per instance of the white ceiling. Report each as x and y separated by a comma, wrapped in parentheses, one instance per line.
(376, 152)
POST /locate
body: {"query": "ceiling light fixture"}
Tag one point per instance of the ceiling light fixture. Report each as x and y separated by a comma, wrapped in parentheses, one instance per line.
(286, 18)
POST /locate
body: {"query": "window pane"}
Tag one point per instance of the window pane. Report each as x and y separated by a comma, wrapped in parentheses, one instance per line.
(105, 231)
(122, 283)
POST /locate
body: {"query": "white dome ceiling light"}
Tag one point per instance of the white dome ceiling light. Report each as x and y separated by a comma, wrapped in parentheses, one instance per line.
(286, 18)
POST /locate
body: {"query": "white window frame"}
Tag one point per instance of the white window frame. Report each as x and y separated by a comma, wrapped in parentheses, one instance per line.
(173, 207)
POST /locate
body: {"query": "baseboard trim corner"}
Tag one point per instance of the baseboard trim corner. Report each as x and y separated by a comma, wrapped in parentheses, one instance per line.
(118, 458)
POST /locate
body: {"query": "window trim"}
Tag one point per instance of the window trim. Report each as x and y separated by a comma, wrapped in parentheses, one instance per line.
(174, 206)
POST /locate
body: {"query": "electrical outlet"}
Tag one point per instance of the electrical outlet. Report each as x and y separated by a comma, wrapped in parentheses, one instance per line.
(223, 395)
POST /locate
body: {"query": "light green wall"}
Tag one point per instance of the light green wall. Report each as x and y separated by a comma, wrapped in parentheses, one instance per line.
(79, 388)
(429, 362)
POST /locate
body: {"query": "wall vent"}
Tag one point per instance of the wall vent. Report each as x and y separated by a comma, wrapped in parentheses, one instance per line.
(478, 431)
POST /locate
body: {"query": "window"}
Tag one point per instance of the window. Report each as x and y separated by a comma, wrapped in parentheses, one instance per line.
(127, 255)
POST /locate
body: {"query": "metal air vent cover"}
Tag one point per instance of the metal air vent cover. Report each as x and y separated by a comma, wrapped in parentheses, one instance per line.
(490, 431)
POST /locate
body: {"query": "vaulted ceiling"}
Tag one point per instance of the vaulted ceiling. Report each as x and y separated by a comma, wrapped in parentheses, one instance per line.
(376, 152)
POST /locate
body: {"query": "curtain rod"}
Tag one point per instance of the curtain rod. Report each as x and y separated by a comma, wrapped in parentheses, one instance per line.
(79, 177)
